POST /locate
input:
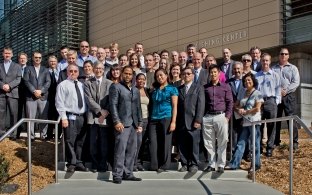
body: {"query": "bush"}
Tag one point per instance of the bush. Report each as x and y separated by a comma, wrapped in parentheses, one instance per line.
(4, 170)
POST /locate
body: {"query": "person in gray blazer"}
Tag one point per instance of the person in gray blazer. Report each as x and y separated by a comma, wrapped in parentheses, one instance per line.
(191, 108)
(37, 80)
(10, 78)
(96, 91)
(238, 92)
(125, 109)
(201, 75)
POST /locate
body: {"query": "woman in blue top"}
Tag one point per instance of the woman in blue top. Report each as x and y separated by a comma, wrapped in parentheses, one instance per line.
(163, 121)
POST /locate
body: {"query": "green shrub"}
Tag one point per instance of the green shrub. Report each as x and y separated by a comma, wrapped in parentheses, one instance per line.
(4, 170)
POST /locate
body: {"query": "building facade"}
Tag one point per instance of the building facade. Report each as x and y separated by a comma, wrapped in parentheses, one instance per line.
(235, 24)
(43, 25)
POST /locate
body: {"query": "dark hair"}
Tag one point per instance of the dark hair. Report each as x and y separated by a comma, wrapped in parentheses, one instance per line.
(127, 67)
(122, 55)
(255, 48)
(164, 51)
(212, 66)
(64, 47)
(110, 73)
(139, 62)
(189, 68)
(253, 78)
(88, 61)
(156, 84)
(140, 74)
(190, 45)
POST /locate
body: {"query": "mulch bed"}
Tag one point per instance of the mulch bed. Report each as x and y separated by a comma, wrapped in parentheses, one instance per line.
(274, 171)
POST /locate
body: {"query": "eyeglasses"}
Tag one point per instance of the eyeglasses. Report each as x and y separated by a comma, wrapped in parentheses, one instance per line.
(284, 54)
(86, 46)
(37, 57)
(73, 71)
(187, 73)
(99, 68)
(246, 60)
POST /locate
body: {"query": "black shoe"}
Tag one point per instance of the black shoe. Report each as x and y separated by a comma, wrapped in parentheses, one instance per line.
(193, 169)
(70, 169)
(209, 169)
(220, 170)
(296, 146)
(269, 152)
(132, 178)
(117, 181)
(160, 170)
(135, 170)
(257, 168)
(12, 138)
(183, 169)
(93, 170)
(141, 168)
(102, 170)
(229, 168)
(81, 168)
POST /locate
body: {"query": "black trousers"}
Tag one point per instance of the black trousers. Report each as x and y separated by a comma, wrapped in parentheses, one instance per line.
(74, 136)
(99, 146)
(21, 114)
(269, 112)
(12, 105)
(288, 106)
(160, 143)
(141, 139)
(125, 150)
(189, 146)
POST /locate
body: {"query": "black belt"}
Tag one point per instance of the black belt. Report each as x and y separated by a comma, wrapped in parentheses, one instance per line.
(70, 113)
(215, 113)
(267, 98)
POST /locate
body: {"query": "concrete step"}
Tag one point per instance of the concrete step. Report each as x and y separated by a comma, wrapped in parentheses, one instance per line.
(237, 175)
(171, 174)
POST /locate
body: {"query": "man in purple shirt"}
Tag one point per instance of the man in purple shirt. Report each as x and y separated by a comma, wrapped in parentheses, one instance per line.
(219, 105)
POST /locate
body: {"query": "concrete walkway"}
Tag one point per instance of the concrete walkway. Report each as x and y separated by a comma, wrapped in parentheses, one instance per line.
(169, 183)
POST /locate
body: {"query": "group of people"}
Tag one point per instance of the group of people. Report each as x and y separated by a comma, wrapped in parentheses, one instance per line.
(121, 101)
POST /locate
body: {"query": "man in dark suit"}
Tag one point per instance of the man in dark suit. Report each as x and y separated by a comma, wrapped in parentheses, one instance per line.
(191, 107)
(201, 74)
(227, 65)
(238, 92)
(37, 80)
(53, 114)
(22, 60)
(71, 59)
(255, 53)
(96, 92)
(125, 108)
(10, 78)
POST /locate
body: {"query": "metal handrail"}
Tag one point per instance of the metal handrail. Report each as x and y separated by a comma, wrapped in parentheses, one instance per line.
(29, 121)
(291, 156)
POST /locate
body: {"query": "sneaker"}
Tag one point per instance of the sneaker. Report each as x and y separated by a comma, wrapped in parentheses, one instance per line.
(183, 169)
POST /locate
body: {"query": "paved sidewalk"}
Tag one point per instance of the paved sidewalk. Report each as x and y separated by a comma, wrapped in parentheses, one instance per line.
(158, 187)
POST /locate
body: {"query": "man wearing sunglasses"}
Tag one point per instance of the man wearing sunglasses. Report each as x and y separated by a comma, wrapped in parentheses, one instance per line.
(71, 106)
(191, 108)
(290, 80)
(37, 80)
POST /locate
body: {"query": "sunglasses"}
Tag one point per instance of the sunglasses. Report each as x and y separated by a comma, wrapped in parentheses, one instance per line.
(246, 60)
(84, 46)
(37, 57)
(73, 71)
(284, 54)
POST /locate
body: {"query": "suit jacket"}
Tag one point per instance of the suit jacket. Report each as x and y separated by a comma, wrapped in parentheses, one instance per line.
(91, 99)
(258, 68)
(12, 78)
(191, 106)
(125, 105)
(240, 92)
(229, 71)
(33, 83)
(63, 74)
(203, 77)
